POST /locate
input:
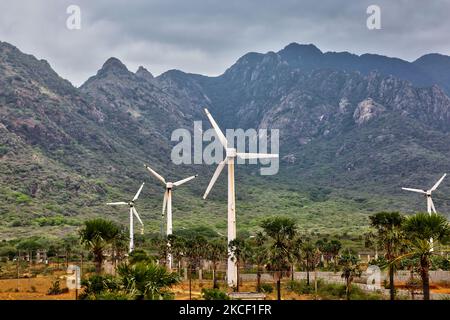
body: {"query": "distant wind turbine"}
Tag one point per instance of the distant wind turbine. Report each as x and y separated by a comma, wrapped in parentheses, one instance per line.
(231, 155)
(132, 212)
(168, 202)
(430, 205)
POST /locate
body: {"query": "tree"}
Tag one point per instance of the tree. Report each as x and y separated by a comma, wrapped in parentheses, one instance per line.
(139, 255)
(240, 252)
(310, 258)
(350, 269)
(146, 280)
(389, 236)
(258, 256)
(296, 253)
(418, 231)
(194, 253)
(216, 251)
(177, 248)
(97, 235)
(282, 231)
(334, 248)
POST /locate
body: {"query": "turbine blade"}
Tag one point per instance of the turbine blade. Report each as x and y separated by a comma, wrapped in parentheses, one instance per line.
(166, 195)
(215, 176)
(139, 192)
(137, 216)
(179, 183)
(219, 133)
(116, 203)
(155, 174)
(414, 190)
(438, 183)
(256, 155)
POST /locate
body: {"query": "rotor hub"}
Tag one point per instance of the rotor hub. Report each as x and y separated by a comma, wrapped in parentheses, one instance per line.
(169, 185)
(231, 152)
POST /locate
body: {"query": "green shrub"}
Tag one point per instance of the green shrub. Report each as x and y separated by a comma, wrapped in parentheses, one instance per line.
(301, 287)
(97, 285)
(214, 294)
(55, 288)
(331, 291)
(266, 288)
(109, 296)
(22, 198)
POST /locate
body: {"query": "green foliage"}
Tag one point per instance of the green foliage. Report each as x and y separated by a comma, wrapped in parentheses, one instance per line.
(22, 198)
(8, 252)
(57, 220)
(110, 296)
(97, 286)
(147, 280)
(33, 243)
(55, 288)
(440, 263)
(214, 294)
(266, 288)
(319, 194)
(99, 234)
(332, 291)
(139, 255)
(3, 150)
(300, 287)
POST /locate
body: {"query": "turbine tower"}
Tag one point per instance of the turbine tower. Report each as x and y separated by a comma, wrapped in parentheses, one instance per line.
(132, 212)
(168, 203)
(430, 205)
(231, 155)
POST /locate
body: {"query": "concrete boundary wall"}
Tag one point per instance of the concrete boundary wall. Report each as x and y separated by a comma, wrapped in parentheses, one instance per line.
(435, 276)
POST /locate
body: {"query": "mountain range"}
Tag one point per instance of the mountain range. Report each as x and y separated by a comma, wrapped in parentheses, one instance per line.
(353, 128)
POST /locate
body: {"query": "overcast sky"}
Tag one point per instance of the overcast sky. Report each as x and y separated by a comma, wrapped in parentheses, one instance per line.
(208, 36)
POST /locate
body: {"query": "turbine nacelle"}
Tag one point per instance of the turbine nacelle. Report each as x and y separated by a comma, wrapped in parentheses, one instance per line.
(169, 185)
(231, 152)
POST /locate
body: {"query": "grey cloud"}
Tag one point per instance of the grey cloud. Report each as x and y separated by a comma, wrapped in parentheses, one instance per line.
(208, 36)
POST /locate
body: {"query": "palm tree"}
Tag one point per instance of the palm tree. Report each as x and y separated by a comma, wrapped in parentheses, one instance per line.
(388, 226)
(282, 231)
(350, 269)
(178, 248)
(216, 252)
(310, 257)
(418, 230)
(335, 247)
(296, 253)
(146, 280)
(194, 253)
(97, 235)
(240, 252)
(259, 256)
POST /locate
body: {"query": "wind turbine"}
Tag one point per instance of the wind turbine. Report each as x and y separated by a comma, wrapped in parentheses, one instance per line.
(168, 202)
(430, 205)
(231, 155)
(132, 212)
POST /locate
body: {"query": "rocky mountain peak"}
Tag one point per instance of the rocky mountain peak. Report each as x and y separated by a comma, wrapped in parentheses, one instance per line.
(144, 73)
(113, 65)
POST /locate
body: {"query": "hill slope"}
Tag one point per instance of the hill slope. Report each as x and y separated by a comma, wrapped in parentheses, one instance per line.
(353, 130)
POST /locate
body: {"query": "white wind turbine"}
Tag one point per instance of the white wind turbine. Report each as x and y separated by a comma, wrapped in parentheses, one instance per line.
(231, 155)
(430, 205)
(168, 202)
(132, 212)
